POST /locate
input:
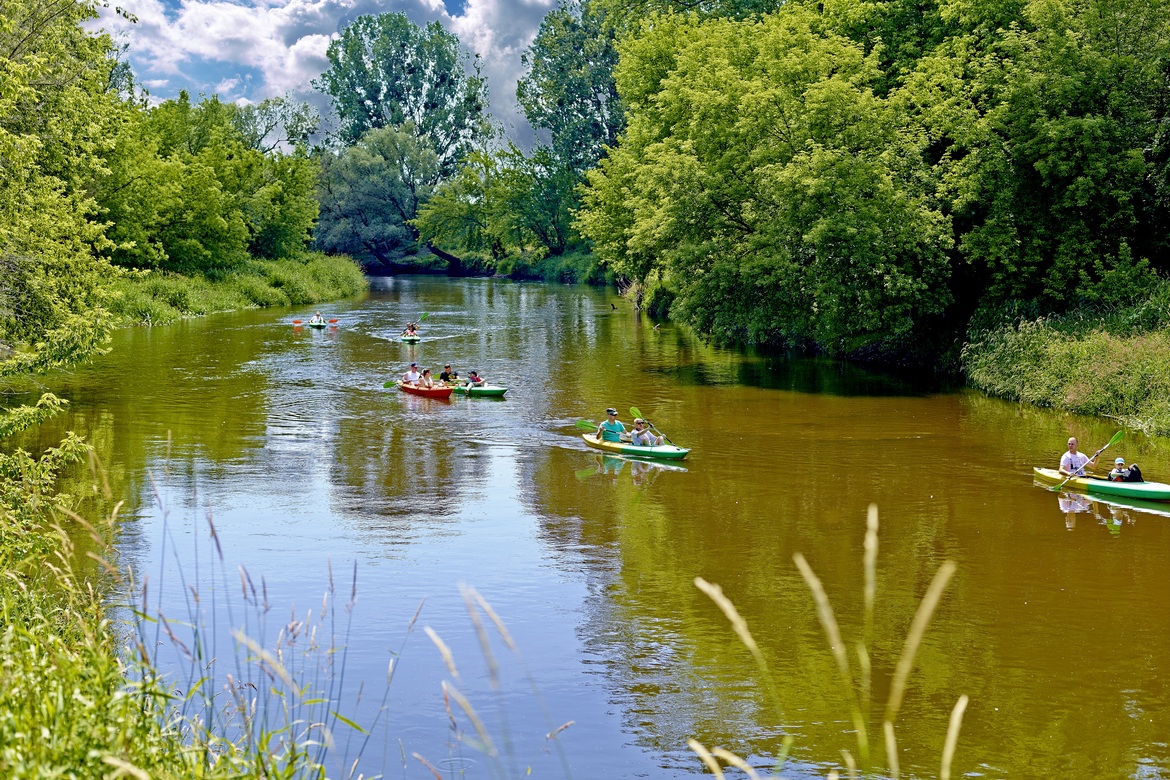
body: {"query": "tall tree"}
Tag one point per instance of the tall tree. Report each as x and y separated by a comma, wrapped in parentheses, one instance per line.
(385, 71)
(370, 193)
(569, 89)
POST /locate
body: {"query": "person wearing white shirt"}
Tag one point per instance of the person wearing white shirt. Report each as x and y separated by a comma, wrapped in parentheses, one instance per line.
(1072, 463)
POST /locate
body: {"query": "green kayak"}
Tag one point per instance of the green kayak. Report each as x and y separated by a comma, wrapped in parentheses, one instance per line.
(317, 325)
(484, 391)
(1099, 486)
(663, 451)
(412, 339)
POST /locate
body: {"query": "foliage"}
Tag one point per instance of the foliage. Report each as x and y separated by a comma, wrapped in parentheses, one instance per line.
(371, 192)
(156, 298)
(764, 176)
(569, 89)
(1116, 364)
(188, 191)
(385, 71)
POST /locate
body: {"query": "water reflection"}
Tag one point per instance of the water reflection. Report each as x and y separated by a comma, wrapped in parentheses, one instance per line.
(309, 465)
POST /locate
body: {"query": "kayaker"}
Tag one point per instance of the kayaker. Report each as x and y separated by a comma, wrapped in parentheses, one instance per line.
(317, 318)
(1121, 473)
(425, 380)
(642, 436)
(611, 429)
(411, 330)
(1072, 463)
(412, 375)
(474, 379)
(447, 375)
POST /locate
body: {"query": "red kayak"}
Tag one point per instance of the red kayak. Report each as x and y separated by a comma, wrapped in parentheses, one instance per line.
(426, 392)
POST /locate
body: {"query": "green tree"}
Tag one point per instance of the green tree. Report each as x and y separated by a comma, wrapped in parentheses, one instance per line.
(569, 89)
(385, 71)
(370, 193)
(762, 176)
(460, 216)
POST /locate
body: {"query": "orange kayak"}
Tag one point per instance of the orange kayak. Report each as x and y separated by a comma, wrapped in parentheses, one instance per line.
(431, 392)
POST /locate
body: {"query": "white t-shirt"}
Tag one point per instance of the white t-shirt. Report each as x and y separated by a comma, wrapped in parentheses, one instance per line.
(1074, 463)
(411, 376)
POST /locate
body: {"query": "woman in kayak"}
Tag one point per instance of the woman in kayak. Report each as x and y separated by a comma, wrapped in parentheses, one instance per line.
(642, 436)
(611, 429)
(411, 330)
(425, 380)
(316, 319)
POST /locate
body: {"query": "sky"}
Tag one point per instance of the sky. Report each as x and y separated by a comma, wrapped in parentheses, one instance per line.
(250, 50)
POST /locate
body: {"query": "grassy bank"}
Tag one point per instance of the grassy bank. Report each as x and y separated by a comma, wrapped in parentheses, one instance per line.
(1113, 364)
(156, 298)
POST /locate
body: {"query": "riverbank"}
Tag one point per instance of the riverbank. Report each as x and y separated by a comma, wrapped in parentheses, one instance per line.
(156, 298)
(1113, 364)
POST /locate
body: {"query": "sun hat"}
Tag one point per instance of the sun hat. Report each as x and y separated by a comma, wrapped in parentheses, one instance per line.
(1119, 462)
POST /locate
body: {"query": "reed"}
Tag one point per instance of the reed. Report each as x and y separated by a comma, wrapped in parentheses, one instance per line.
(857, 690)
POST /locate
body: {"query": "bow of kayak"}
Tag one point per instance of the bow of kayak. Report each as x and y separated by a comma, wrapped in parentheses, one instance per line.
(663, 451)
(1099, 486)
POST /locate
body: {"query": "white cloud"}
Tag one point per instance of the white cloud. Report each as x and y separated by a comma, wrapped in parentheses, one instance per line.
(271, 47)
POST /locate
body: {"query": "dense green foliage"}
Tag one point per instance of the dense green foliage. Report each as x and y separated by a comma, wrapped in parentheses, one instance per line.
(1116, 365)
(865, 177)
(385, 71)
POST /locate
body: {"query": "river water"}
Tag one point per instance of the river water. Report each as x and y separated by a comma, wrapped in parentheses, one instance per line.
(319, 481)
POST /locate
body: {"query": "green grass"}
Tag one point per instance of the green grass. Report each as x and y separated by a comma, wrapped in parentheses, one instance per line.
(1113, 364)
(157, 298)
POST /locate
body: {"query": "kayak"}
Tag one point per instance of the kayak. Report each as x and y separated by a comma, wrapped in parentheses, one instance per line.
(426, 392)
(317, 325)
(412, 339)
(484, 391)
(1099, 486)
(664, 451)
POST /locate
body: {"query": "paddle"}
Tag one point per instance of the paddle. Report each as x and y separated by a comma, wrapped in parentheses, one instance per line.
(332, 322)
(296, 322)
(585, 425)
(638, 413)
(1116, 438)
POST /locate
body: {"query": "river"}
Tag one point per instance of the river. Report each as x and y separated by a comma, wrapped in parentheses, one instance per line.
(318, 480)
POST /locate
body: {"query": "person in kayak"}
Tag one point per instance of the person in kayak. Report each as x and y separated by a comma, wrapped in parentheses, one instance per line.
(1072, 463)
(316, 318)
(1122, 474)
(446, 376)
(411, 330)
(474, 379)
(425, 380)
(642, 436)
(412, 375)
(611, 429)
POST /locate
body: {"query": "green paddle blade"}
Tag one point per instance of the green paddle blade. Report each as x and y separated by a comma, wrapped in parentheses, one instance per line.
(423, 316)
(585, 425)
(637, 412)
(391, 383)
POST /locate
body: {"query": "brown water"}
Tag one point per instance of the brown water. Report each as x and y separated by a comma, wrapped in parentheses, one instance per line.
(1057, 624)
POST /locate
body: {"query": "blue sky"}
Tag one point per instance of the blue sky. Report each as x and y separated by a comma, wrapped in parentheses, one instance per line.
(247, 51)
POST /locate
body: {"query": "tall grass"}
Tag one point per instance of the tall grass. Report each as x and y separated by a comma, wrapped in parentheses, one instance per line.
(1111, 364)
(156, 298)
(856, 687)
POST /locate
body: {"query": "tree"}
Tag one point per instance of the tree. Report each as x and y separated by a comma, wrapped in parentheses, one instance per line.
(460, 215)
(569, 89)
(385, 71)
(370, 193)
(765, 179)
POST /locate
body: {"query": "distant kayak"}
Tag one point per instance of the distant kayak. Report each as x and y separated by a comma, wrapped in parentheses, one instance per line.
(412, 339)
(1099, 486)
(426, 392)
(317, 325)
(486, 391)
(663, 451)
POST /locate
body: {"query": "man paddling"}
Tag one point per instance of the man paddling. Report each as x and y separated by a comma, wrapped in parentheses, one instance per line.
(1073, 463)
(611, 429)
(412, 375)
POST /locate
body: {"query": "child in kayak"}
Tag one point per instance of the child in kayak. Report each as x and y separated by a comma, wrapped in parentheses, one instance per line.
(475, 380)
(1122, 474)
